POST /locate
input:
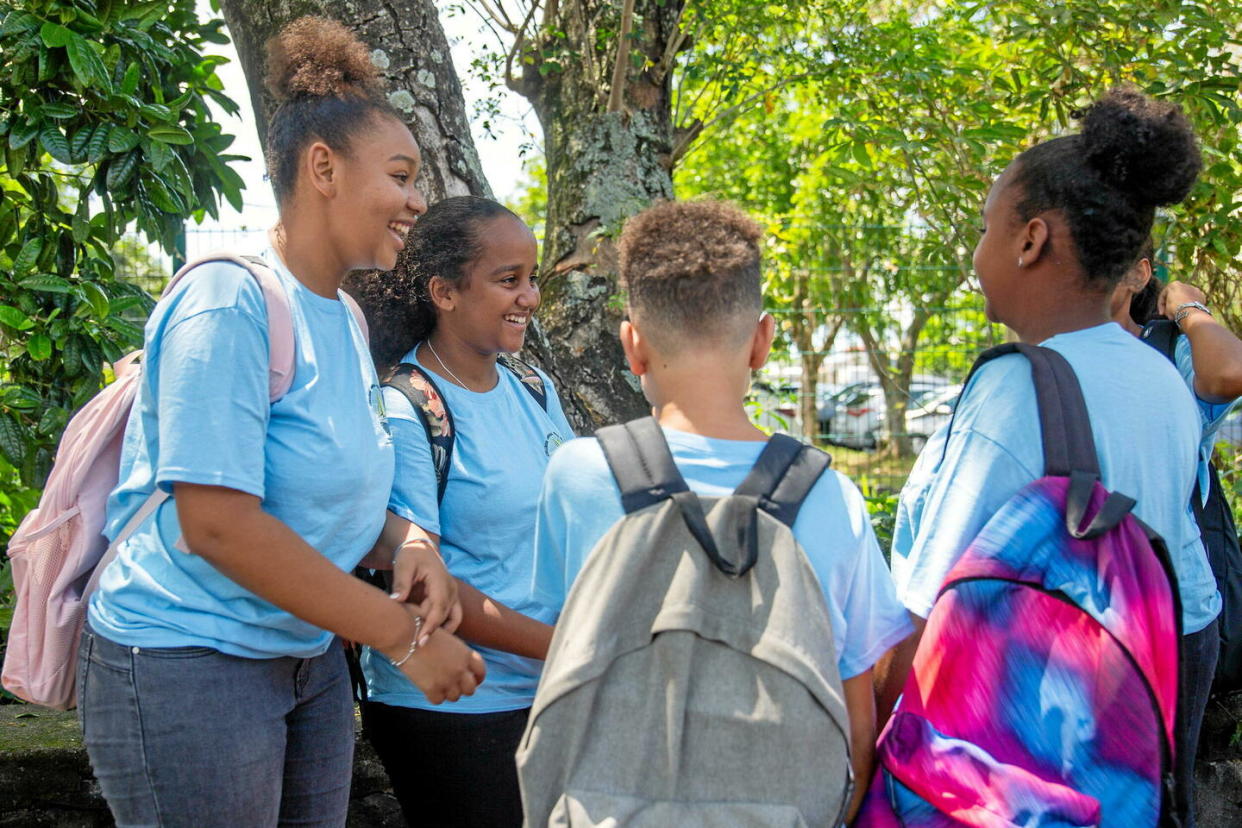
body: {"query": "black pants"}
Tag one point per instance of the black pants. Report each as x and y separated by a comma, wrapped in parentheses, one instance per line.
(450, 769)
(1199, 653)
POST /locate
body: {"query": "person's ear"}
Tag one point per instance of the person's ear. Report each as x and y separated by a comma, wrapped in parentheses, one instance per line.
(1035, 241)
(635, 347)
(1140, 275)
(443, 294)
(761, 341)
(320, 168)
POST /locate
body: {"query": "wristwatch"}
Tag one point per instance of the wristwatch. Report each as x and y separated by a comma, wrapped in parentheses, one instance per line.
(1179, 313)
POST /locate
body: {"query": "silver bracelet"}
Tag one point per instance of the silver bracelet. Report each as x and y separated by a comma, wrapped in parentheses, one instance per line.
(1180, 312)
(418, 633)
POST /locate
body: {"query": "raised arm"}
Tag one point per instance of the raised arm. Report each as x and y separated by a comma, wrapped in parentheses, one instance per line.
(1215, 352)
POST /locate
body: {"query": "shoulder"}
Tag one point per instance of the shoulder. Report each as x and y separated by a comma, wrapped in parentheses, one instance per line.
(579, 461)
(834, 508)
(218, 284)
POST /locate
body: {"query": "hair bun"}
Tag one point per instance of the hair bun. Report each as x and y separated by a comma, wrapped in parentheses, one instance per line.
(318, 57)
(1143, 147)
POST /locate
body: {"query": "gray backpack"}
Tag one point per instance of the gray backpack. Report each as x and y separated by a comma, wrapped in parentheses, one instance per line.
(692, 679)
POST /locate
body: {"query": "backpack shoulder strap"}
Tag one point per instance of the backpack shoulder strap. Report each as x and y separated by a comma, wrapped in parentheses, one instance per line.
(433, 412)
(526, 375)
(359, 316)
(640, 461)
(783, 476)
(1162, 335)
(279, 316)
(1065, 428)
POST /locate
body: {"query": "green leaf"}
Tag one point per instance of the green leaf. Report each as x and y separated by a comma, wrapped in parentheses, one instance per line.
(129, 84)
(29, 254)
(98, 143)
(14, 318)
(12, 441)
(58, 111)
(87, 66)
(22, 134)
(122, 139)
(55, 35)
(161, 197)
(94, 296)
(56, 144)
(121, 170)
(160, 155)
(39, 347)
(78, 142)
(131, 332)
(170, 134)
(156, 112)
(46, 283)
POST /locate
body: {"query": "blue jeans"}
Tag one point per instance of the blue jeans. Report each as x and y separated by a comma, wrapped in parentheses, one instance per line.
(190, 736)
(1199, 653)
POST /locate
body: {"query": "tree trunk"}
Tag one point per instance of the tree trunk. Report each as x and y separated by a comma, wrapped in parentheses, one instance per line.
(412, 52)
(603, 166)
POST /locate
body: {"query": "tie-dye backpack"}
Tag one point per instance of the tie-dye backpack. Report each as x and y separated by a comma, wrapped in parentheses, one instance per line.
(1044, 688)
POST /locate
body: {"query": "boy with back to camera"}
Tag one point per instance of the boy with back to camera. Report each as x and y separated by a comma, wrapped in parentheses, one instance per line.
(695, 332)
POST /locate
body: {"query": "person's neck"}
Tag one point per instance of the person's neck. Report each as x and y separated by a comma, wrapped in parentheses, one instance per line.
(701, 399)
(300, 245)
(457, 361)
(1059, 310)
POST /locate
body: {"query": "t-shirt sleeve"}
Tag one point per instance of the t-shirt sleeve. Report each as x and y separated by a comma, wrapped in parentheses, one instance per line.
(415, 492)
(212, 396)
(874, 619)
(578, 504)
(976, 478)
(1211, 414)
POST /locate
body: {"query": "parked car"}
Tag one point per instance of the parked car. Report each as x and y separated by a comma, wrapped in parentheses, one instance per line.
(928, 412)
(854, 416)
(773, 406)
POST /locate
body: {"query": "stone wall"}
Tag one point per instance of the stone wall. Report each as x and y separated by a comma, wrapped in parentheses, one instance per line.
(45, 778)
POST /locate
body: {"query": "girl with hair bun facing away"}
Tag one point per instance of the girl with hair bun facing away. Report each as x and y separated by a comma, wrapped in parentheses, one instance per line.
(1062, 225)
(448, 320)
(212, 690)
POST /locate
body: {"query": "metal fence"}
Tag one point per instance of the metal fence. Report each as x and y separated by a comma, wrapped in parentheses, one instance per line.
(849, 401)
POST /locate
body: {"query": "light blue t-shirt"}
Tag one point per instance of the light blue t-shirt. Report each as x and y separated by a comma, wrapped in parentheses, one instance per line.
(486, 521)
(1142, 419)
(580, 502)
(320, 458)
(1211, 415)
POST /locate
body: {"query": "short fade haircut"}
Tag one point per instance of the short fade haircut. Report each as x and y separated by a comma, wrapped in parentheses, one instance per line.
(692, 272)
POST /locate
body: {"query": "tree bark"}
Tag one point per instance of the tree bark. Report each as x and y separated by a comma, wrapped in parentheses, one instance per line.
(602, 168)
(409, 47)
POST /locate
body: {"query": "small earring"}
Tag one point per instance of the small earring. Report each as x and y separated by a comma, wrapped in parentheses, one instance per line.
(1019, 261)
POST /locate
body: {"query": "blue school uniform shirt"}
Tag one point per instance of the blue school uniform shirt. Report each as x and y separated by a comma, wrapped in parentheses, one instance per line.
(1211, 415)
(320, 458)
(1144, 424)
(580, 502)
(486, 520)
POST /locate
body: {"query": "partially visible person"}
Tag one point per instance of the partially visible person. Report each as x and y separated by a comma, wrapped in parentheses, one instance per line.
(212, 689)
(461, 306)
(1063, 224)
(695, 333)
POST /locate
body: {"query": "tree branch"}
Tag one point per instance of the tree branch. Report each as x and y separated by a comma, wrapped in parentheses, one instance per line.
(497, 14)
(616, 95)
(682, 147)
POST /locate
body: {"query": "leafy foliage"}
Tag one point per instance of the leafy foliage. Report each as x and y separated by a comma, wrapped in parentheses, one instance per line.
(103, 125)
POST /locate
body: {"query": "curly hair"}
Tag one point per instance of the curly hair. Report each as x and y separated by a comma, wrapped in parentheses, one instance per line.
(691, 268)
(1133, 154)
(327, 89)
(444, 242)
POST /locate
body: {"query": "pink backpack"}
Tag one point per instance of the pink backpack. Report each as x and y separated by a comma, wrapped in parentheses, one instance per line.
(59, 551)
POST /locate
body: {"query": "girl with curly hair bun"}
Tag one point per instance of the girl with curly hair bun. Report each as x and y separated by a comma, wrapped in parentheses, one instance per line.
(1062, 225)
(212, 689)
(462, 302)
